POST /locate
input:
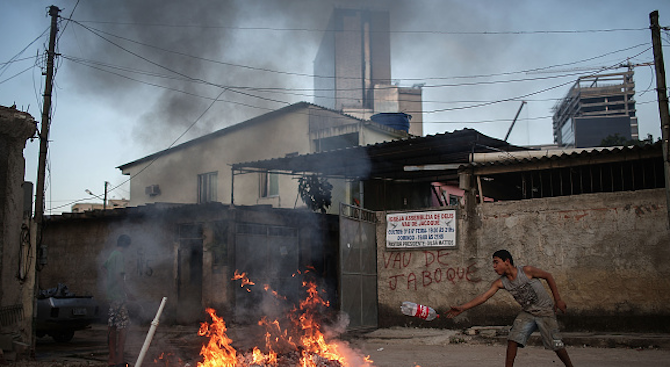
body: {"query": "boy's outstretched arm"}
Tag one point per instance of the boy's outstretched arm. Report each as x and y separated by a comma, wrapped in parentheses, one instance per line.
(457, 310)
(534, 272)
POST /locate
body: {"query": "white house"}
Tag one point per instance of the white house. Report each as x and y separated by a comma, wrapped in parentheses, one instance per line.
(199, 171)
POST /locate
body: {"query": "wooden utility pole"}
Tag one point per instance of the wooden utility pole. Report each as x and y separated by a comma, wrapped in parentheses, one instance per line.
(46, 116)
(662, 101)
(104, 200)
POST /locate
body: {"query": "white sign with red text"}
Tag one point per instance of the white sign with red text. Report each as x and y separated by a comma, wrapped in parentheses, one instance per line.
(421, 229)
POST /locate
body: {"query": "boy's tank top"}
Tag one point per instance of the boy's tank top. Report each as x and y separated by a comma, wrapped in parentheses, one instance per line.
(530, 293)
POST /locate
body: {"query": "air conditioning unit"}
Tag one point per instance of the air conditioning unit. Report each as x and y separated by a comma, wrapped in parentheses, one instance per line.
(152, 190)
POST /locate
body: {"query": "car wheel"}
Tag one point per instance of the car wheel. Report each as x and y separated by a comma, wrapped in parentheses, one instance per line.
(63, 336)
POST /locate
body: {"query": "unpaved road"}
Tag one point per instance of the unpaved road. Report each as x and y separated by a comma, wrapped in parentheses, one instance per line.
(88, 349)
(474, 355)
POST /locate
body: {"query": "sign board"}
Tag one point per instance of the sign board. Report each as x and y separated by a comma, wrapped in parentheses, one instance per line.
(411, 230)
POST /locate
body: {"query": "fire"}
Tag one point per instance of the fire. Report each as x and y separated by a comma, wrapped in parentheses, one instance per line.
(312, 339)
(304, 338)
(218, 352)
(245, 280)
(273, 292)
(168, 359)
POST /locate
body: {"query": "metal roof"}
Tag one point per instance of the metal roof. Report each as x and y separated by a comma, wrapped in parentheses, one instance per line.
(404, 159)
(573, 157)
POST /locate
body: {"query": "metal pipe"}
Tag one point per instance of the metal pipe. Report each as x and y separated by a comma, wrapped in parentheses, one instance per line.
(150, 335)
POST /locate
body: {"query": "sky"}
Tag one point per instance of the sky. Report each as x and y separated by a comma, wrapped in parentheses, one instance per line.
(137, 77)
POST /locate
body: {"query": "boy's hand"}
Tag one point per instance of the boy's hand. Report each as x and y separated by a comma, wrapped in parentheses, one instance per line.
(560, 304)
(454, 311)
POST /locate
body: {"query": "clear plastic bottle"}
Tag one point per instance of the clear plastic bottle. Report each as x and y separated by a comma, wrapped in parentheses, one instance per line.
(421, 311)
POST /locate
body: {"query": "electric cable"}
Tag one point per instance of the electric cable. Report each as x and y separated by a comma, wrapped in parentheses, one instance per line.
(417, 31)
(93, 30)
(15, 57)
(233, 90)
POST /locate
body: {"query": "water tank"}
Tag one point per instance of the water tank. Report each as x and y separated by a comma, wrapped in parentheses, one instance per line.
(395, 120)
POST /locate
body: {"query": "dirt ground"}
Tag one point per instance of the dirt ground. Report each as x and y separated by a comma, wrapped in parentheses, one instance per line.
(480, 355)
(394, 348)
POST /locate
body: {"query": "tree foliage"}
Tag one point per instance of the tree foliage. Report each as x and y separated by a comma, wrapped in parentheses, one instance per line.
(618, 140)
(316, 192)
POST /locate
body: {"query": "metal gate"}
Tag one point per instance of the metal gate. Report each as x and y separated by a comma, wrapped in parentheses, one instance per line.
(358, 266)
(269, 255)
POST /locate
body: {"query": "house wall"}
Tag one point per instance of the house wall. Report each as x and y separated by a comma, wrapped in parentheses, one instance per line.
(608, 253)
(16, 254)
(77, 248)
(79, 244)
(290, 132)
(176, 172)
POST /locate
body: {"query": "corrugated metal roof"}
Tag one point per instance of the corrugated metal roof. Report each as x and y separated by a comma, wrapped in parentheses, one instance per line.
(586, 155)
(388, 160)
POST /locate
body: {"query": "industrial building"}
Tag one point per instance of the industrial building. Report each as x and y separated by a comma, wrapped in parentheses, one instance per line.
(352, 69)
(597, 106)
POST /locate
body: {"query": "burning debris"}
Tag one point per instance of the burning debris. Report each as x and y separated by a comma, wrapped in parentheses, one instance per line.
(299, 342)
(245, 280)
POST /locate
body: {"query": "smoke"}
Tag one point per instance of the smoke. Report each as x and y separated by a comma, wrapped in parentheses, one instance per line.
(196, 52)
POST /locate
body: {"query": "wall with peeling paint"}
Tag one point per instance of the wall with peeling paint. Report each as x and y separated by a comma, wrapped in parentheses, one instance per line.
(608, 253)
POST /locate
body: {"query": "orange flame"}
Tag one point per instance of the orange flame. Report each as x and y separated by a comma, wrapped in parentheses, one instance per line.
(218, 352)
(245, 280)
(168, 359)
(273, 292)
(309, 345)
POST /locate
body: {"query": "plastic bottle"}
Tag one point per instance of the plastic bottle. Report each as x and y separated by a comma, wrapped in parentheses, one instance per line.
(421, 311)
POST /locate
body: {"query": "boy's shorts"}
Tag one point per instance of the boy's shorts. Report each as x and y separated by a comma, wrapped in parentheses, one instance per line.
(525, 324)
(118, 315)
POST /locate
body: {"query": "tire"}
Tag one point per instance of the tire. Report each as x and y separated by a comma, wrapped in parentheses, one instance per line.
(63, 336)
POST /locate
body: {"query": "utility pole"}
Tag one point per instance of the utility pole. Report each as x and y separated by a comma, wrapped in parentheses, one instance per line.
(513, 121)
(662, 101)
(36, 227)
(104, 201)
(44, 134)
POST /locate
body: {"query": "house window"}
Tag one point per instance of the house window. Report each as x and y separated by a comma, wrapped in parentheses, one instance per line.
(207, 187)
(269, 184)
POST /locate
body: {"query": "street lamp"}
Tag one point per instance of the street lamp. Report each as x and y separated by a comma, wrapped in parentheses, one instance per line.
(104, 199)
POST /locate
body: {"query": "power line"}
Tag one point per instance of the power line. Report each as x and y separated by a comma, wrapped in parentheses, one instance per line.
(94, 30)
(292, 90)
(410, 31)
(68, 21)
(479, 104)
(17, 74)
(239, 89)
(17, 60)
(15, 57)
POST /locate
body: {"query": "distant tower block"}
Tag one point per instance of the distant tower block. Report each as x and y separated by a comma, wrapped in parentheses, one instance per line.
(353, 68)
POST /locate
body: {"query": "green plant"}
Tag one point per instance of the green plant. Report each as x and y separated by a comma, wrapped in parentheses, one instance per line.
(316, 192)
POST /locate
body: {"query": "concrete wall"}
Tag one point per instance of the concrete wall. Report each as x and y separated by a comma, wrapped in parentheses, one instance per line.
(78, 247)
(79, 244)
(16, 255)
(608, 253)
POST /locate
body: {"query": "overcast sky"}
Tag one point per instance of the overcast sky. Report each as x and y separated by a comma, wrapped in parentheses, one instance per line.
(135, 77)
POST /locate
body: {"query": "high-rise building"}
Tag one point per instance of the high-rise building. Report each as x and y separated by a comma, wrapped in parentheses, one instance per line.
(353, 68)
(596, 107)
